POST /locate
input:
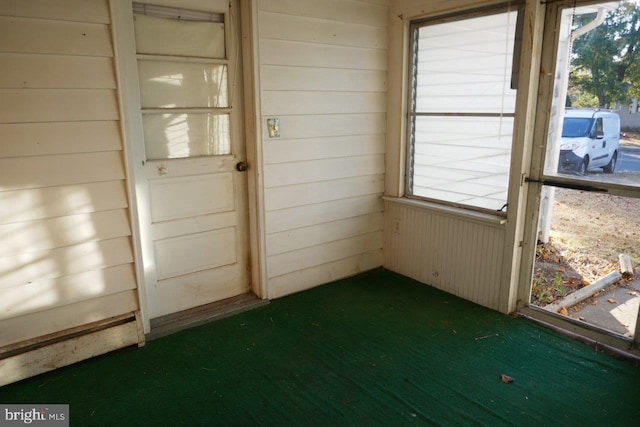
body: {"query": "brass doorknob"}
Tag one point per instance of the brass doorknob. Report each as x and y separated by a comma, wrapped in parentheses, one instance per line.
(241, 166)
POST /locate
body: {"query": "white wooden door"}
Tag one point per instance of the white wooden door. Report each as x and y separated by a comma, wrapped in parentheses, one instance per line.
(192, 195)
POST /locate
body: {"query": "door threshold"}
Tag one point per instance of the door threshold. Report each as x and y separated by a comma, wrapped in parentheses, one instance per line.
(175, 322)
(600, 339)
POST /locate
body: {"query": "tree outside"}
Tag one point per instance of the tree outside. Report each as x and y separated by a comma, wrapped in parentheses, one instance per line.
(605, 66)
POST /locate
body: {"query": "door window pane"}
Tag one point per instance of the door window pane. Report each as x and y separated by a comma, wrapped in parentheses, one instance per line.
(182, 85)
(163, 36)
(172, 136)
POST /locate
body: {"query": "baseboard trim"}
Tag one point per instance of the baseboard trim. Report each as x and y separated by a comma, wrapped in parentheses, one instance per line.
(58, 350)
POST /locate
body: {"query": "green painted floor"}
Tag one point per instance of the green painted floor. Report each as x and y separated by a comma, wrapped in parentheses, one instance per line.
(377, 349)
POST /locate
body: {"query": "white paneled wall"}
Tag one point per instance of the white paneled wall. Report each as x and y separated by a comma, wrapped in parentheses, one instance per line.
(323, 75)
(66, 256)
(462, 256)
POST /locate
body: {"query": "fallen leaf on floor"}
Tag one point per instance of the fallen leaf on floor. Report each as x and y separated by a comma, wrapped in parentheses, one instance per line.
(563, 311)
(612, 301)
(594, 302)
(581, 318)
(506, 379)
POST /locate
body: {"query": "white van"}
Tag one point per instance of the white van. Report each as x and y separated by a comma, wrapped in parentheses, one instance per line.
(590, 139)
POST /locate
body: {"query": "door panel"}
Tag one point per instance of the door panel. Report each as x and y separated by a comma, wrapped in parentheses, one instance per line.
(190, 196)
(195, 221)
(184, 292)
(196, 252)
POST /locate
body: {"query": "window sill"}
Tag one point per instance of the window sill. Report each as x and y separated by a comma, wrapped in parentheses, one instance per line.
(469, 215)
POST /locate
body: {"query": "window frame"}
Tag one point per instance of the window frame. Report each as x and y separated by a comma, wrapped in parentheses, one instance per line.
(410, 95)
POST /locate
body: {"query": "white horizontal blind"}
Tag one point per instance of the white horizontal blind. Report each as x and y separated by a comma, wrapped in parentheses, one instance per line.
(462, 110)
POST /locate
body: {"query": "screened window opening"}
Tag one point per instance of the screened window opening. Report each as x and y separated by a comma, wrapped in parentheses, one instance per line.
(182, 69)
(461, 110)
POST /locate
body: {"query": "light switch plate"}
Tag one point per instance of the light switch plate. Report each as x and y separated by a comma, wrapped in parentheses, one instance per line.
(273, 125)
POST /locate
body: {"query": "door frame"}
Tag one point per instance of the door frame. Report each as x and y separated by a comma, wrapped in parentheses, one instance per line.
(253, 145)
(532, 185)
(122, 32)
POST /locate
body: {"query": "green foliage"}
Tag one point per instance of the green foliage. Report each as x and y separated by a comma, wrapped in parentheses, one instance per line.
(544, 291)
(586, 100)
(542, 295)
(558, 284)
(606, 60)
(539, 279)
(580, 99)
(540, 291)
